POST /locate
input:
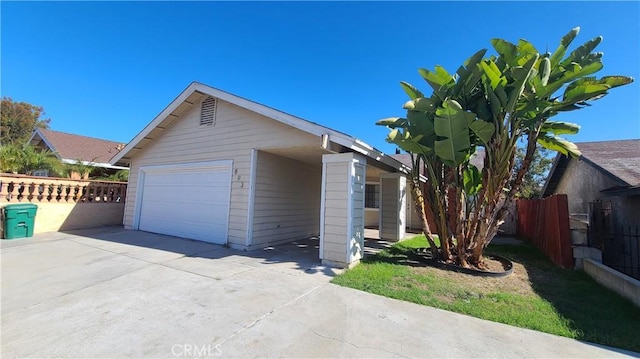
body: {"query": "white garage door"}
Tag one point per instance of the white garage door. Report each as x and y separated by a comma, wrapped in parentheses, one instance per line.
(187, 200)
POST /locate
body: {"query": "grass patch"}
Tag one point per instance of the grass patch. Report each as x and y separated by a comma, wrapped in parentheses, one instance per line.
(538, 295)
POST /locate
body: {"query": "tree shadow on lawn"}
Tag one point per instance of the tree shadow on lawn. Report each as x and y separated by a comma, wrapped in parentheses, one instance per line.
(595, 313)
(394, 255)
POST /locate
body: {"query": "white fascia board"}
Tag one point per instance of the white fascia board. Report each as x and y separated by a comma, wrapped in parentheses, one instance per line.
(93, 164)
(371, 152)
(46, 142)
(272, 113)
(266, 111)
(282, 117)
(155, 122)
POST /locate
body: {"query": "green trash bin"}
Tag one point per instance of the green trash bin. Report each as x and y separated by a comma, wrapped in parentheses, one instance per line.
(19, 220)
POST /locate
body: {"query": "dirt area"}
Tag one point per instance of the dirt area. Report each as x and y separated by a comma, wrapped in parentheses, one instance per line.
(518, 282)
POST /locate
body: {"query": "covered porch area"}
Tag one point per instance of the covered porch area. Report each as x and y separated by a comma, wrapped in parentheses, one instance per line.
(319, 192)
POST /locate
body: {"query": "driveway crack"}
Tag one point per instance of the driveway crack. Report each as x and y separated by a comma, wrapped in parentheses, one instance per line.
(355, 345)
(268, 314)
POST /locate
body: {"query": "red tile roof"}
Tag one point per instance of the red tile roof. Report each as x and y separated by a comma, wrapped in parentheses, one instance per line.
(77, 147)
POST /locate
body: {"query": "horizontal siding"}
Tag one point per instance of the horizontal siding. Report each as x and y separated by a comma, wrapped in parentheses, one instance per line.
(287, 199)
(235, 133)
(413, 219)
(336, 212)
(389, 207)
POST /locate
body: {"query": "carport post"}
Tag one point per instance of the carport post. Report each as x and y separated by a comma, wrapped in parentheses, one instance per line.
(393, 205)
(342, 209)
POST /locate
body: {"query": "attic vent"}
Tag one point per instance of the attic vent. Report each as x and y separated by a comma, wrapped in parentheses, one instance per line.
(208, 113)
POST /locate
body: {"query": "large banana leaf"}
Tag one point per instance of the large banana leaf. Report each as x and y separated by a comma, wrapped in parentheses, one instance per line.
(559, 144)
(578, 55)
(421, 123)
(483, 130)
(584, 92)
(440, 80)
(572, 72)
(405, 141)
(451, 124)
(520, 80)
(507, 50)
(560, 128)
(393, 122)
(468, 75)
(564, 45)
(411, 90)
(472, 180)
(422, 104)
(493, 74)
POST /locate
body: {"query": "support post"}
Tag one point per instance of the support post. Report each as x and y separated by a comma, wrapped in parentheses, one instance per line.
(393, 206)
(342, 209)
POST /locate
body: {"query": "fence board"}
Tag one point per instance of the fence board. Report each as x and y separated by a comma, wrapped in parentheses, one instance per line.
(545, 222)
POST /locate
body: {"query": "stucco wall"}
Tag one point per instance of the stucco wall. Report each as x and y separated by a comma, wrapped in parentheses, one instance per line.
(582, 184)
(53, 217)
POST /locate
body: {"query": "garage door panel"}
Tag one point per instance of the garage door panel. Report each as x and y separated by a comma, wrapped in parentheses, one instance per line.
(155, 207)
(187, 202)
(197, 214)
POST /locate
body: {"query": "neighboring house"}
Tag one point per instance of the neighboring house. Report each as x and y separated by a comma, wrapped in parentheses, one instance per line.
(607, 171)
(71, 149)
(216, 167)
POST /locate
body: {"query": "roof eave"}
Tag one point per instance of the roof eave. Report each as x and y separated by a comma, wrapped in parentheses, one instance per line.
(44, 139)
(93, 164)
(287, 119)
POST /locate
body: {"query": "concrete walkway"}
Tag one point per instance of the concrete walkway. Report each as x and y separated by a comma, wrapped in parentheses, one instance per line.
(115, 293)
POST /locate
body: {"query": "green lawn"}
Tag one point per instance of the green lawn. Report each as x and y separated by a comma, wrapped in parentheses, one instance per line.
(538, 295)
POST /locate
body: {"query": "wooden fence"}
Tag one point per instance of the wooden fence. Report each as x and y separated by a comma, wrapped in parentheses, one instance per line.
(545, 222)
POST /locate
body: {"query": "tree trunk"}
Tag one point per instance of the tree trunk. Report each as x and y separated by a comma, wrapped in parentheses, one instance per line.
(418, 201)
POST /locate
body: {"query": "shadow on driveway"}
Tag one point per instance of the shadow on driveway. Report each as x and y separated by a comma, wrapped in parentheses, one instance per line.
(301, 255)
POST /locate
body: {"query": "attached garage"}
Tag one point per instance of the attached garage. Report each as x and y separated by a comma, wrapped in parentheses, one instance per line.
(219, 168)
(186, 200)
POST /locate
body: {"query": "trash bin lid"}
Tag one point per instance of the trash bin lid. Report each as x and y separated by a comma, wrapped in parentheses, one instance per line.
(19, 206)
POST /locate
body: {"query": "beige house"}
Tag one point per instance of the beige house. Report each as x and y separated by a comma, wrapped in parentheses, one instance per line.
(219, 168)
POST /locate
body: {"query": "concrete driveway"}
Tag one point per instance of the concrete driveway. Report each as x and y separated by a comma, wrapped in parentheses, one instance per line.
(115, 293)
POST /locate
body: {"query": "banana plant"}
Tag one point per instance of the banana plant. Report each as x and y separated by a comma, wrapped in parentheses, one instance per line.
(491, 102)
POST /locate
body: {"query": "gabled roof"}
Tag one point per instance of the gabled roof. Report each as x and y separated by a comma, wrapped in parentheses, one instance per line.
(70, 148)
(197, 91)
(619, 160)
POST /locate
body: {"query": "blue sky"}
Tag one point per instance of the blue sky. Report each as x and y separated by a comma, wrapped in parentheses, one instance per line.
(106, 69)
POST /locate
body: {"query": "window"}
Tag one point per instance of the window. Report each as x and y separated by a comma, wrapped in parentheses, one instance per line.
(372, 196)
(41, 173)
(208, 112)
